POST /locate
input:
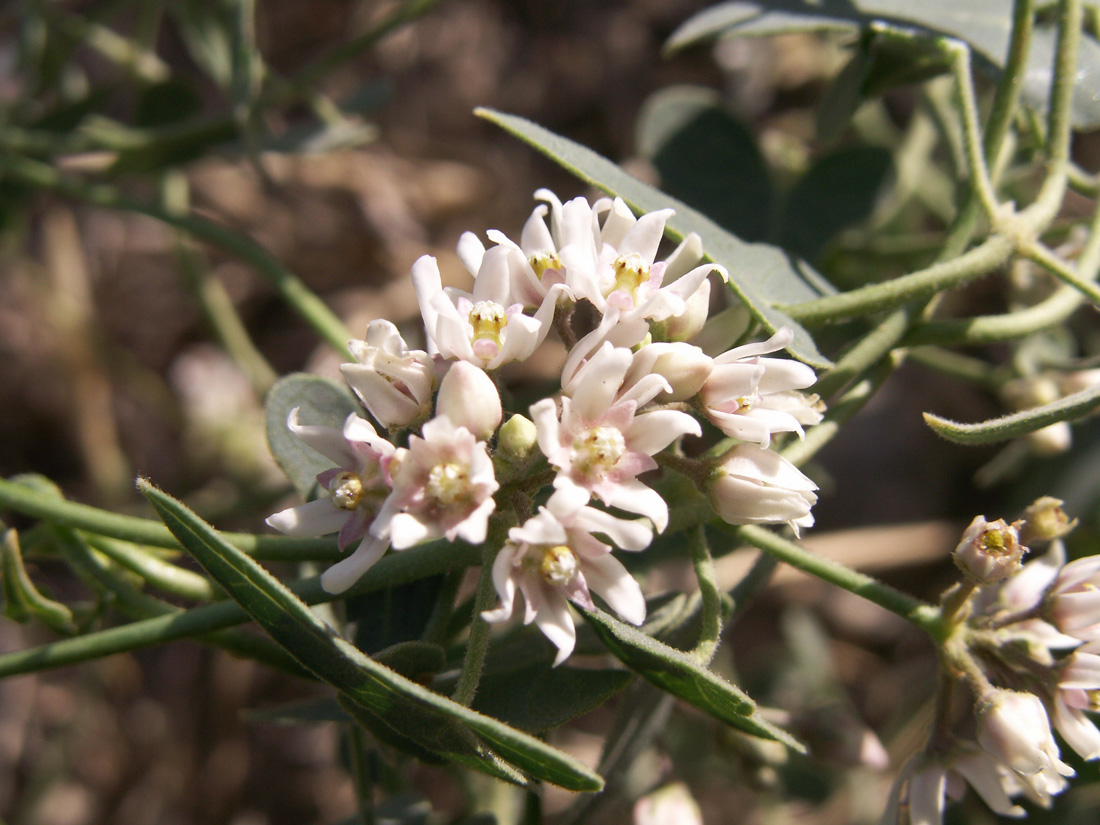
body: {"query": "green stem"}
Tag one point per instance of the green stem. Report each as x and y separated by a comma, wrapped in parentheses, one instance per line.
(162, 575)
(393, 569)
(1041, 255)
(957, 365)
(922, 614)
(23, 499)
(1059, 117)
(980, 182)
(710, 635)
(310, 307)
(478, 643)
(980, 261)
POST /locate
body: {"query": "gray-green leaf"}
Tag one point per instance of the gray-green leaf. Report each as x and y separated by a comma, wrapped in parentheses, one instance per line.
(319, 401)
(674, 671)
(1069, 408)
(760, 275)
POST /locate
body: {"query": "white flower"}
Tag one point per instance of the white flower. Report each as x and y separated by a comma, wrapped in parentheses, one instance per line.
(470, 399)
(990, 551)
(485, 327)
(443, 485)
(356, 488)
(934, 782)
(751, 398)
(394, 383)
(553, 558)
(599, 443)
(617, 267)
(671, 805)
(1073, 601)
(757, 486)
(1014, 727)
(1078, 691)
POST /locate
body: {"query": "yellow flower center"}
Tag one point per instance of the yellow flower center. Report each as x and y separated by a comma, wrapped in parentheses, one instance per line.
(631, 271)
(487, 320)
(559, 565)
(542, 261)
(600, 449)
(447, 483)
(347, 491)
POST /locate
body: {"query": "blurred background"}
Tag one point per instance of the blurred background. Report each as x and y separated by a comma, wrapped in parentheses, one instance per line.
(340, 137)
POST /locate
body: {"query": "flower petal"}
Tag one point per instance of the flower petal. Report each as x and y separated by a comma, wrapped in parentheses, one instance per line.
(347, 572)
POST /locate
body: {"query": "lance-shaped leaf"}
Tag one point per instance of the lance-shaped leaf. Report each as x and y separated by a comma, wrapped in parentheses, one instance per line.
(361, 680)
(319, 401)
(676, 672)
(985, 24)
(549, 697)
(1070, 408)
(760, 275)
(22, 600)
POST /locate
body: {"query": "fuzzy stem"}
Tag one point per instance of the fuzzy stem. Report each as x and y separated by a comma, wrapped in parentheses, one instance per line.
(711, 634)
(922, 614)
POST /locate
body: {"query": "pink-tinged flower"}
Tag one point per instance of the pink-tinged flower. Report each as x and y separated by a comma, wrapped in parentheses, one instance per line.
(553, 558)
(599, 443)
(751, 398)
(536, 266)
(356, 487)
(1078, 691)
(443, 486)
(671, 805)
(757, 486)
(931, 785)
(616, 267)
(990, 551)
(394, 383)
(485, 327)
(1014, 727)
(470, 399)
(1073, 600)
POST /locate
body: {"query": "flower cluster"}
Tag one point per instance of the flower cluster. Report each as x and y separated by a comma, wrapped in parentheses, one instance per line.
(632, 386)
(1028, 648)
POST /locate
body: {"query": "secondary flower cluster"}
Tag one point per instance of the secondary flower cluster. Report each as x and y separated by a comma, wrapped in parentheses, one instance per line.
(631, 387)
(1030, 655)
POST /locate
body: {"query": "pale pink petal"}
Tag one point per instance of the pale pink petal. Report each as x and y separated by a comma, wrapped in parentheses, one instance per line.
(653, 431)
(635, 497)
(328, 441)
(554, 621)
(347, 572)
(607, 577)
(314, 518)
(926, 796)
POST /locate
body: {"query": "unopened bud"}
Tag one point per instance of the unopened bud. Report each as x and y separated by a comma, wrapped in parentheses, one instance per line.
(470, 399)
(1014, 727)
(685, 368)
(990, 551)
(1045, 520)
(518, 437)
(670, 805)
(690, 322)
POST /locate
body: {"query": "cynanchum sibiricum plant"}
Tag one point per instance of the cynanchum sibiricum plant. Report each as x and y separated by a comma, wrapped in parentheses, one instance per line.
(623, 401)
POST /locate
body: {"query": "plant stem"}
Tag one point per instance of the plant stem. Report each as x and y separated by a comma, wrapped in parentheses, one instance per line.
(980, 182)
(393, 569)
(711, 633)
(1059, 118)
(29, 502)
(980, 261)
(1040, 254)
(922, 614)
(478, 643)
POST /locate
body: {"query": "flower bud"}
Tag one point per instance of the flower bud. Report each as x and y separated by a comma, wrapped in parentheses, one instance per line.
(753, 485)
(685, 368)
(690, 322)
(518, 437)
(470, 399)
(990, 551)
(1015, 728)
(1045, 520)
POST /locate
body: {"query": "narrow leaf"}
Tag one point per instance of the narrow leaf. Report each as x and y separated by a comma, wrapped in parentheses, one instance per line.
(760, 275)
(1069, 408)
(549, 697)
(674, 671)
(361, 679)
